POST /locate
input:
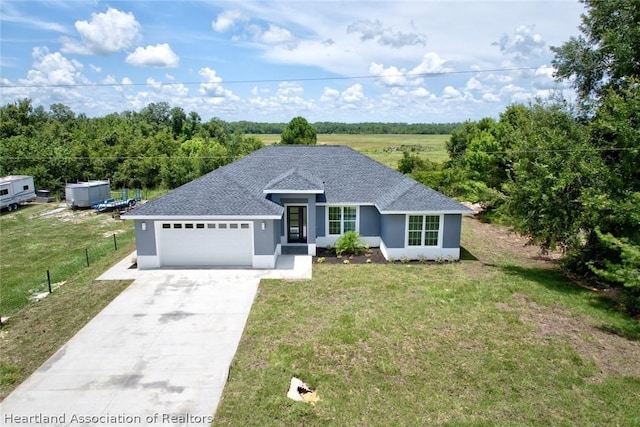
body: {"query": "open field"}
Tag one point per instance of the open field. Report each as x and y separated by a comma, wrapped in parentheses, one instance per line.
(500, 338)
(377, 146)
(37, 238)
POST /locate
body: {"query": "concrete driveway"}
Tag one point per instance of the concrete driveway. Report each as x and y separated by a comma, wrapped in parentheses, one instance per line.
(159, 354)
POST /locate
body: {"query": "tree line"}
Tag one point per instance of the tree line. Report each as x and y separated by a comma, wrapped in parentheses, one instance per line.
(365, 128)
(158, 146)
(567, 175)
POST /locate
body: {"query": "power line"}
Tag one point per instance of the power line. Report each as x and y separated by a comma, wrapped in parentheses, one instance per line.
(280, 80)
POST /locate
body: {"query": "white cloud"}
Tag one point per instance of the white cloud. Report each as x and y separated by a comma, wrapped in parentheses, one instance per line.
(431, 63)
(523, 44)
(449, 92)
(54, 69)
(353, 94)
(543, 78)
(474, 85)
(329, 95)
(423, 93)
(277, 35)
(374, 30)
(11, 14)
(106, 33)
(159, 55)
(109, 80)
(227, 19)
(490, 97)
(95, 68)
(172, 90)
(286, 102)
(391, 76)
(212, 87)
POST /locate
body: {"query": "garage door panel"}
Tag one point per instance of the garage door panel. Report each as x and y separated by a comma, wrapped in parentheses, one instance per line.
(214, 244)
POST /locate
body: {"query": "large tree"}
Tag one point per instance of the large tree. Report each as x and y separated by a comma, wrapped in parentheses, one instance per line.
(606, 54)
(299, 131)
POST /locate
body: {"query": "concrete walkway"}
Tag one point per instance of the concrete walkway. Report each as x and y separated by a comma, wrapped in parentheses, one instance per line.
(159, 354)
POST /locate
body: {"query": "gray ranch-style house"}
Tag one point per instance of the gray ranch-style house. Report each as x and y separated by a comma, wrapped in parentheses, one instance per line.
(244, 213)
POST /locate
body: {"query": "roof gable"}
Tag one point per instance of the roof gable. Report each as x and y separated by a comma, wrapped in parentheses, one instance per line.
(295, 181)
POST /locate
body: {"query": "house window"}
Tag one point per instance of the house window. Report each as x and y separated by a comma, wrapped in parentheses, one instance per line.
(188, 226)
(166, 225)
(342, 219)
(25, 187)
(4, 192)
(423, 230)
(199, 225)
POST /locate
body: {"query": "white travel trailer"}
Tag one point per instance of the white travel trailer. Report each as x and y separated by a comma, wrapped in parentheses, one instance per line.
(15, 190)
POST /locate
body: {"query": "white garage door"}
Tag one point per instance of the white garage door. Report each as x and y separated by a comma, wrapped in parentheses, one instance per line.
(205, 243)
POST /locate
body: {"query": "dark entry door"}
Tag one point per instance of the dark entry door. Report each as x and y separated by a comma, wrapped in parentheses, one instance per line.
(296, 224)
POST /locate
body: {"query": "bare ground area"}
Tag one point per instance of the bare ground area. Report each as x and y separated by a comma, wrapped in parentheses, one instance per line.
(612, 353)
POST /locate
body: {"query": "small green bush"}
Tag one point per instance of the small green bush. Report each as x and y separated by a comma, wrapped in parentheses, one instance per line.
(349, 243)
(321, 260)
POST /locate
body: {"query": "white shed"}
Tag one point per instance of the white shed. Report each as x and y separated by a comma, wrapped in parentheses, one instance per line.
(86, 194)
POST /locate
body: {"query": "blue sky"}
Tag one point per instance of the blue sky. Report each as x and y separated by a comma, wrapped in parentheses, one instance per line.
(349, 61)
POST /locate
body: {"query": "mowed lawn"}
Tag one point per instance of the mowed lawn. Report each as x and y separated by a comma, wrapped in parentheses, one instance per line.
(383, 148)
(500, 338)
(37, 238)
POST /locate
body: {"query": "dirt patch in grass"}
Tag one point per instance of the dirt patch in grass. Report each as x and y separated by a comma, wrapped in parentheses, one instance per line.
(612, 353)
(494, 243)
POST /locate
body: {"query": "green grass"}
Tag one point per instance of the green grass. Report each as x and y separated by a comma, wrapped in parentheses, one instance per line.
(376, 146)
(33, 243)
(449, 344)
(33, 334)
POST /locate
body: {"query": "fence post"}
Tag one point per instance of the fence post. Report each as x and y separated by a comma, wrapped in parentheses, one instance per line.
(86, 255)
(49, 280)
(115, 242)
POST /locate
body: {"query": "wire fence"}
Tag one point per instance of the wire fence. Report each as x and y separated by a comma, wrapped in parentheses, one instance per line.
(42, 283)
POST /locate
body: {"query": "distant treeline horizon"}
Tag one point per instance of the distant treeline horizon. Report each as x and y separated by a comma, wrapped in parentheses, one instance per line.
(364, 128)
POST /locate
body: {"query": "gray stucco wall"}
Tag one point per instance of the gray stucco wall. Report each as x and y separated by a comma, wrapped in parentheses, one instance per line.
(145, 240)
(451, 231)
(369, 221)
(392, 230)
(264, 242)
(320, 220)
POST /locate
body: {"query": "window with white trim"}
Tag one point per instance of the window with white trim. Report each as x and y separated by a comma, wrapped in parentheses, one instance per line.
(423, 230)
(342, 219)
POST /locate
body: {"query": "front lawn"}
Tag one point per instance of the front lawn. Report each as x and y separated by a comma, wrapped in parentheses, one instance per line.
(501, 338)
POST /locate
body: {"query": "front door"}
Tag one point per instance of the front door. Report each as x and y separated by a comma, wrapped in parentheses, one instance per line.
(296, 224)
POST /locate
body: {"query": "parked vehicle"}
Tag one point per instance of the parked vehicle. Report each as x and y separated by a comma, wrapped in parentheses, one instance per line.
(15, 190)
(87, 194)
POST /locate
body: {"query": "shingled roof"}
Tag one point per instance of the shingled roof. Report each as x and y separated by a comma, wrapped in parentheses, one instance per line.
(338, 174)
